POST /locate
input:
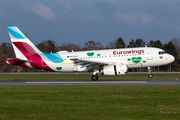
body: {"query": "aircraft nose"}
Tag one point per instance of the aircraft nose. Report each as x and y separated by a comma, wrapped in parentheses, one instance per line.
(171, 58)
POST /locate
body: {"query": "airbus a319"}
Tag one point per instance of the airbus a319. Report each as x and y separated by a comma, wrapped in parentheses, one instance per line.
(106, 62)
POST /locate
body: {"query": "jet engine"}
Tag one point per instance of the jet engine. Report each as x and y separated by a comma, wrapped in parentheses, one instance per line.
(119, 69)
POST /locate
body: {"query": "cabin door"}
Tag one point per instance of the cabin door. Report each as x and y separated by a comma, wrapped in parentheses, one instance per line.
(149, 54)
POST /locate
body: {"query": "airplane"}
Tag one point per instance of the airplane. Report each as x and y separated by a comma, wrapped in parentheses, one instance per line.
(106, 62)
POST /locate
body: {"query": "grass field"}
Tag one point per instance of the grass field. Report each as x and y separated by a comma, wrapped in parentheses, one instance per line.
(90, 103)
(73, 76)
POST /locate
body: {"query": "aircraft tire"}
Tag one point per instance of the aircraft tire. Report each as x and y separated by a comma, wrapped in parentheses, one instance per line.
(150, 75)
(94, 77)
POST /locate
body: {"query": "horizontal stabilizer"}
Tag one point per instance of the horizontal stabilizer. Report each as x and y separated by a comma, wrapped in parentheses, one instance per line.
(18, 60)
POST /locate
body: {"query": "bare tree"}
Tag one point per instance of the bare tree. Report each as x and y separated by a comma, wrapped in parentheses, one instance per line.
(7, 49)
(176, 43)
(2, 61)
(111, 45)
(91, 45)
(47, 46)
(69, 47)
(99, 46)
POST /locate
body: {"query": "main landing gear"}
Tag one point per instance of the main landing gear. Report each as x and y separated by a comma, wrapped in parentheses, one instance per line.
(150, 75)
(94, 77)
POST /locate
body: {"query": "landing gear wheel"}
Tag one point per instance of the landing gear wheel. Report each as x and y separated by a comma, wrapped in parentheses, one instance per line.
(94, 77)
(150, 75)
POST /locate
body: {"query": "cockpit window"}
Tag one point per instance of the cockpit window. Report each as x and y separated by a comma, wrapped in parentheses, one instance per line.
(162, 52)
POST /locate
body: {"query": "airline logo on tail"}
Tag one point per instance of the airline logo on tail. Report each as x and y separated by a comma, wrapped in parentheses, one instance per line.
(27, 54)
(16, 33)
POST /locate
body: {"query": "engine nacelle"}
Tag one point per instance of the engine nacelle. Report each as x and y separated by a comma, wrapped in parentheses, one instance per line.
(119, 69)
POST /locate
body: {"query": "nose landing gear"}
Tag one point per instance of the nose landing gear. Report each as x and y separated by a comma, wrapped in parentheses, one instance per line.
(149, 70)
(150, 75)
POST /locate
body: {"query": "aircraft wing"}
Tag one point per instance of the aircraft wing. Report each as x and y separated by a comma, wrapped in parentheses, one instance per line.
(92, 63)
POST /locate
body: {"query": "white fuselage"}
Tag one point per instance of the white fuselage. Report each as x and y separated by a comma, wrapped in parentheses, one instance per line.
(133, 57)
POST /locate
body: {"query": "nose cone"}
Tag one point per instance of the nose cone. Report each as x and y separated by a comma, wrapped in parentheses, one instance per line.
(171, 58)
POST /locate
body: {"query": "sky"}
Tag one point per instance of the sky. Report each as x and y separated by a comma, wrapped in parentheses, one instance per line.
(79, 21)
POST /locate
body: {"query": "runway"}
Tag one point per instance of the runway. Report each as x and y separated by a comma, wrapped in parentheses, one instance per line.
(91, 83)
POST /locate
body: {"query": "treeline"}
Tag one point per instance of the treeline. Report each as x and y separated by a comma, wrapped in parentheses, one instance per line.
(50, 46)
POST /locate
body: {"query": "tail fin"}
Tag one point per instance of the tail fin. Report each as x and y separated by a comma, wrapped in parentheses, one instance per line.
(21, 44)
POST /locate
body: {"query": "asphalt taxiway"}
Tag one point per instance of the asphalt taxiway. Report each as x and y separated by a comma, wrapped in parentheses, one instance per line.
(90, 83)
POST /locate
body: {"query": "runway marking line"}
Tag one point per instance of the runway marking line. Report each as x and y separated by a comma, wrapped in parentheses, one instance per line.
(100, 82)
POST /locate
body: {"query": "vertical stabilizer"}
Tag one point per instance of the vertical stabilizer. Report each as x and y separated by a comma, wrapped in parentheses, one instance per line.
(27, 54)
(21, 44)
